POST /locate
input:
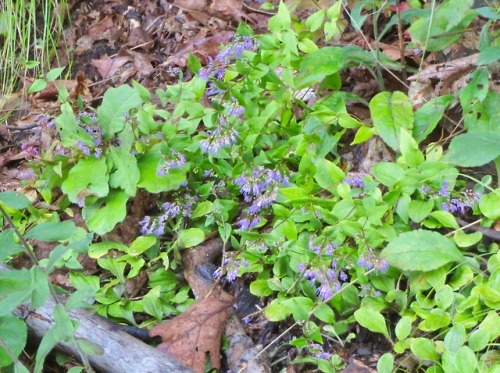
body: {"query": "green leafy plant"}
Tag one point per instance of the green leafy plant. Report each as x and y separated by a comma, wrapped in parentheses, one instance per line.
(250, 150)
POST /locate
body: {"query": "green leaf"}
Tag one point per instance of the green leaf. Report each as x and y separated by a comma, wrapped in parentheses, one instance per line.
(13, 332)
(391, 112)
(8, 245)
(14, 199)
(15, 288)
(424, 349)
(40, 286)
(53, 74)
(428, 116)
(115, 104)
(126, 174)
(466, 360)
(445, 218)
(202, 209)
(315, 20)
(464, 152)
(489, 204)
(300, 306)
(52, 231)
(489, 55)
(281, 21)
(150, 180)
(419, 210)
(152, 303)
(455, 338)
(277, 311)
(102, 215)
(317, 65)
(387, 173)
(260, 288)
(88, 177)
(403, 327)
(190, 237)
(386, 363)
(421, 250)
(436, 319)
(444, 297)
(141, 244)
(37, 85)
(372, 320)
(478, 340)
(409, 149)
(324, 313)
(327, 173)
(463, 239)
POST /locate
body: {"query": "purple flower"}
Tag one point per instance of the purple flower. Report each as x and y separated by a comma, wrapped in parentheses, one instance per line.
(84, 148)
(355, 180)
(443, 192)
(324, 291)
(175, 160)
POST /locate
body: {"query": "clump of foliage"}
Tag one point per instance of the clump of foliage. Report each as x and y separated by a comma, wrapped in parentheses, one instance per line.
(324, 245)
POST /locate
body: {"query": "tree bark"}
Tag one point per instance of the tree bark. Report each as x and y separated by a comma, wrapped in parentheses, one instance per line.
(122, 352)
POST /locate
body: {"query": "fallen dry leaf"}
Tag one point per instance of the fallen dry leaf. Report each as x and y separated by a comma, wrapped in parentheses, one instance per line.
(197, 332)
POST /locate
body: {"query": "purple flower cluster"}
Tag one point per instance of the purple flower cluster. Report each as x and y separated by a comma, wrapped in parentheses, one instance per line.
(182, 207)
(225, 133)
(320, 248)
(468, 200)
(260, 190)
(174, 160)
(88, 121)
(355, 180)
(368, 260)
(231, 267)
(318, 351)
(44, 120)
(217, 68)
(31, 151)
(328, 278)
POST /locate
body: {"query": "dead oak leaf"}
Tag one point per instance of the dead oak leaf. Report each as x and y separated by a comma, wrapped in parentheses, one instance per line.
(198, 331)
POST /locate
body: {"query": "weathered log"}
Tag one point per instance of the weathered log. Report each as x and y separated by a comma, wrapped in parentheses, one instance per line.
(122, 352)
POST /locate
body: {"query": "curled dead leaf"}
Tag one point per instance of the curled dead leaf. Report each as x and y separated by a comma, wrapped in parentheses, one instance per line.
(197, 332)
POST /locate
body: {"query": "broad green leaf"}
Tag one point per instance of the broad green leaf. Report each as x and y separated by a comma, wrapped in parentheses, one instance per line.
(464, 152)
(387, 173)
(40, 286)
(281, 21)
(14, 199)
(489, 55)
(403, 327)
(15, 288)
(391, 112)
(52, 231)
(300, 306)
(8, 245)
(445, 218)
(327, 173)
(409, 149)
(277, 311)
(418, 210)
(455, 338)
(489, 204)
(141, 244)
(386, 363)
(421, 250)
(202, 209)
(115, 104)
(436, 319)
(37, 85)
(424, 349)
(444, 297)
(102, 215)
(53, 74)
(88, 177)
(190, 237)
(260, 288)
(466, 360)
(150, 180)
(315, 20)
(69, 130)
(372, 320)
(152, 303)
(463, 239)
(98, 249)
(126, 174)
(14, 333)
(324, 313)
(317, 65)
(428, 116)
(478, 339)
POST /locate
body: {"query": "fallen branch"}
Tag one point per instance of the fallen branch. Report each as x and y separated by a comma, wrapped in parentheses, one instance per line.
(122, 352)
